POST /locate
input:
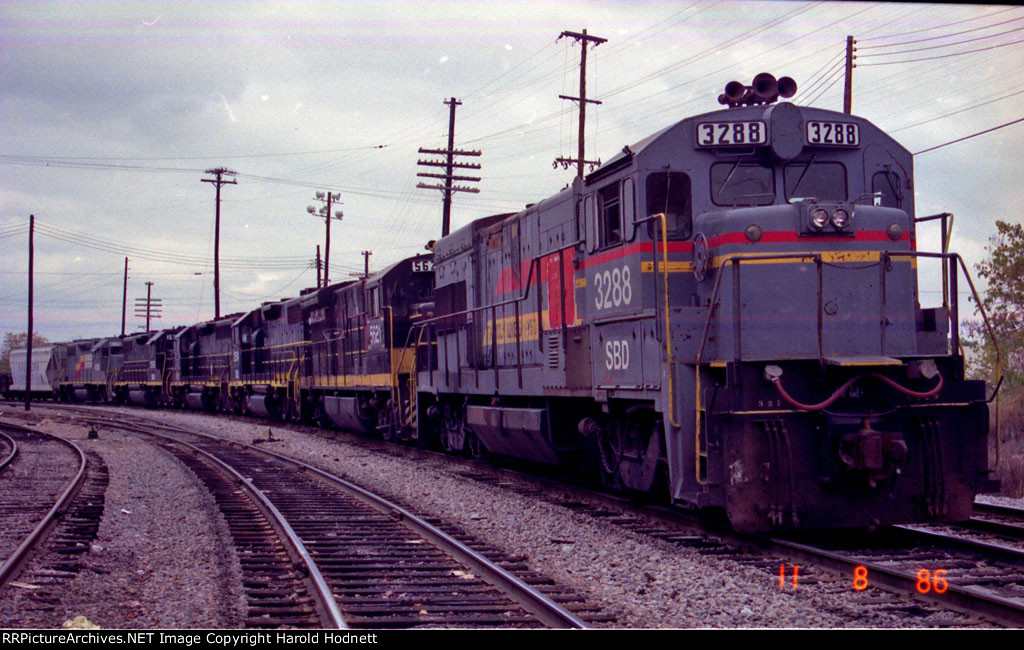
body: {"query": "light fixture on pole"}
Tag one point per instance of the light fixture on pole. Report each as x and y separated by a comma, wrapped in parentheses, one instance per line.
(328, 198)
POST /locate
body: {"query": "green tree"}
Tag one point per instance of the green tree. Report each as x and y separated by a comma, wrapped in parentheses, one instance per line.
(1004, 304)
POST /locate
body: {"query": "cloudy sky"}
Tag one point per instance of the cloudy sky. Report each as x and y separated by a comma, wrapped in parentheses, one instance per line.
(111, 112)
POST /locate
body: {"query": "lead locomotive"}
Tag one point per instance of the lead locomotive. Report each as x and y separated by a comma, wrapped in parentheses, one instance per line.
(729, 308)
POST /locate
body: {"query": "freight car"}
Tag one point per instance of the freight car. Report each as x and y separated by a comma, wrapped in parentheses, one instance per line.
(725, 313)
(43, 365)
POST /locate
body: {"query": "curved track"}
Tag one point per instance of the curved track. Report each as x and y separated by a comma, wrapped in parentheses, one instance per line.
(35, 489)
(976, 579)
(10, 450)
(283, 586)
(386, 566)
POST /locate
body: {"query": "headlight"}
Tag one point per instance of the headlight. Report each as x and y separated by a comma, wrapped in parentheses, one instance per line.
(895, 231)
(819, 218)
(840, 219)
(753, 232)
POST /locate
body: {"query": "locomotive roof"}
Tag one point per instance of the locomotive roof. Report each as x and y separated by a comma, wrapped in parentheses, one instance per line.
(732, 114)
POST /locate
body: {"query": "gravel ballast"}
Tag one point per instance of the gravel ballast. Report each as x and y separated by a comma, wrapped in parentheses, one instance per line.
(162, 557)
(642, 581)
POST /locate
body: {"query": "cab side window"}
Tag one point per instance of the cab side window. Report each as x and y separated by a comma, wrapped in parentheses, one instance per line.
(373, 302)
(669, 193)
(888, 184)
(609, 215)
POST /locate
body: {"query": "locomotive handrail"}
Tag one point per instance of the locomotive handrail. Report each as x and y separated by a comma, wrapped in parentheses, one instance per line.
(946, 234)
(667, 334)
(735, 260)
(534, 261)
(472, 310)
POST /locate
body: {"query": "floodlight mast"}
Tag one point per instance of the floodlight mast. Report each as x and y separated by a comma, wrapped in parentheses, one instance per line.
(327, 198)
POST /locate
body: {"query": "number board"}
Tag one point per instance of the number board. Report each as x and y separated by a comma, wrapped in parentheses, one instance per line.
(843, 134)
(731, 134)
(422, 265)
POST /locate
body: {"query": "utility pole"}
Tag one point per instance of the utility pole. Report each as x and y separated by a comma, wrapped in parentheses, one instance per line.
(366, 263)
(124, 295)
(580, 160)
(449, 165)
(28, 342)
(149, 306)
(325, 212)
(848, 92)
(318, 284)
(219, 172)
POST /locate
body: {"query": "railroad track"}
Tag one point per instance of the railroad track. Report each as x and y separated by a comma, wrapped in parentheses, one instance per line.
(386, 566)
(36, 488)
(1002, 521)
(964, 575)
(8, 450)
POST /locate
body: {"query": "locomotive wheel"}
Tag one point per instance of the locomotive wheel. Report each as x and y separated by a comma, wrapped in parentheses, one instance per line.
(474, 448)
(453, 430)
(387, 421)
(631, 455)
(609, 447)
(642, 470)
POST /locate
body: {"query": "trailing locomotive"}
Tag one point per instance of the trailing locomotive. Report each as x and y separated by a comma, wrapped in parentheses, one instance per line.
(725, 313)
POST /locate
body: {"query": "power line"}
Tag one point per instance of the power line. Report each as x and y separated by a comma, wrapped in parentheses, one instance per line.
(209, 157)
(962, 110)
(928, 29)
(933, 38)
(968, 137)
(944, 56)
(936, 47)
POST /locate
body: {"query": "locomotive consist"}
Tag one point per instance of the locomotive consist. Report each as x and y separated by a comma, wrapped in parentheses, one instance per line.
(725, 313)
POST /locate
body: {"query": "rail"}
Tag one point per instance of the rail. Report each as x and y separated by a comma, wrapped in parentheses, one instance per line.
(16, 561)
(533, 600)
(13, 452)
(308, 566)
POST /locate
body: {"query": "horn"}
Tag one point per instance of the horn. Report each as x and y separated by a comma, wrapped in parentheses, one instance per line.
(787, 87)
(734, 91)
(765, 86)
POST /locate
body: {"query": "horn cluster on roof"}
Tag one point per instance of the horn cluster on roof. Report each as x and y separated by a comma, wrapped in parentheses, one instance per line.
(765, 89)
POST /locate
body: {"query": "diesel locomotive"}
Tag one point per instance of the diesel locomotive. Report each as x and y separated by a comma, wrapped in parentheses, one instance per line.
(725, 313)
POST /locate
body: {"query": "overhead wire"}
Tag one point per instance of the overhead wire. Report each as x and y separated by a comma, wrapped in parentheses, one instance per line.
(936, 47)
(968, 137)
(934, 38)
(943, 26)
(942, 56)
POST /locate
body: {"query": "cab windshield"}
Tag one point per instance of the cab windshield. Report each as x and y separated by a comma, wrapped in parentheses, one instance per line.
(814, 179)
(742, 184)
